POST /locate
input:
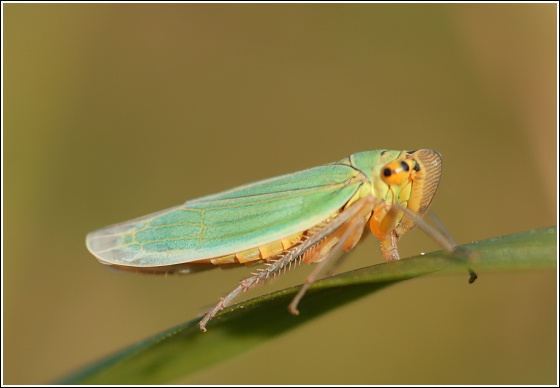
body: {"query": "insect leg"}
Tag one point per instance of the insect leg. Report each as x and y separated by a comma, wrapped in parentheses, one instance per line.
(456, 250)
(353, 227)
(293, 254)
(275, 267)
(440, 235)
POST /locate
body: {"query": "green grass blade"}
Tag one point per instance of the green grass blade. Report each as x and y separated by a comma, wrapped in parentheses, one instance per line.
(183, 349)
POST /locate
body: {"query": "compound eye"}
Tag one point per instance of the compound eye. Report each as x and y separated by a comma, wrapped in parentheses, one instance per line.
(396, 173)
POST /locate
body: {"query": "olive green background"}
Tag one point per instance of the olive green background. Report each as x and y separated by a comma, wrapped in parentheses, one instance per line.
(113, 111)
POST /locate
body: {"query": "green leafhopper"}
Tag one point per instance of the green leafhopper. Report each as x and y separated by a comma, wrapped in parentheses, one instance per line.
(306, 215)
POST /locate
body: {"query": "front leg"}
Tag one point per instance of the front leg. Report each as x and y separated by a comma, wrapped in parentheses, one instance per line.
(389, 247)
(382, 225)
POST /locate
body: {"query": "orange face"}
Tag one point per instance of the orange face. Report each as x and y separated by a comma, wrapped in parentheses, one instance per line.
(412, 180)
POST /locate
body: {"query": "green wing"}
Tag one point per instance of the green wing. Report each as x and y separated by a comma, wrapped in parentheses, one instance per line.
(228, 222)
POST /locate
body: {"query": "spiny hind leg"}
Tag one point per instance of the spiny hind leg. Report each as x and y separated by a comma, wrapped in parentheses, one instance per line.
(360, 208)
(273, 268)
(244, 285)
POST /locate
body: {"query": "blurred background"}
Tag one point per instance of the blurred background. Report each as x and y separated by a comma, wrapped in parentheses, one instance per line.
(113, 111)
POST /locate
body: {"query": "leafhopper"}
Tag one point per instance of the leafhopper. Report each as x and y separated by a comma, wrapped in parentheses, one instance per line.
(308, 215)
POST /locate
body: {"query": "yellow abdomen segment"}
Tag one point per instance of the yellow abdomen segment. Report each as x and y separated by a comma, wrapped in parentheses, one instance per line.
(263, 252)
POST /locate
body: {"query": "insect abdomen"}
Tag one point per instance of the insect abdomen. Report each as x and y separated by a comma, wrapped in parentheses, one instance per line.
(263, 252)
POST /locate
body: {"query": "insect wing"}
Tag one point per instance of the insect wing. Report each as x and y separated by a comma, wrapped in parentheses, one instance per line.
(228, 222)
